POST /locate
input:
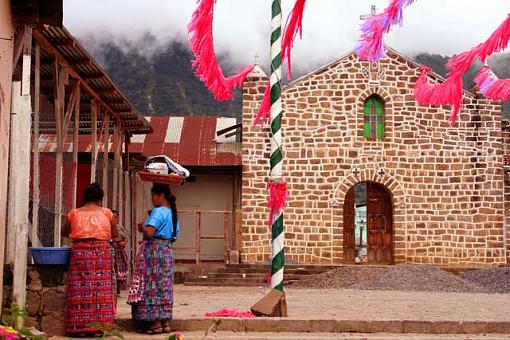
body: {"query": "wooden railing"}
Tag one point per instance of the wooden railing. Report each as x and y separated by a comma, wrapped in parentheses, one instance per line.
(228, 224)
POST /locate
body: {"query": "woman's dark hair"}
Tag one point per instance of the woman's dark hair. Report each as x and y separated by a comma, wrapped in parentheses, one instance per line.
(93, 193)
(164, 189)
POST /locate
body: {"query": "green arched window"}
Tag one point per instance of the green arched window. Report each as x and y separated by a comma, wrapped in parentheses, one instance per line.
(373, 125)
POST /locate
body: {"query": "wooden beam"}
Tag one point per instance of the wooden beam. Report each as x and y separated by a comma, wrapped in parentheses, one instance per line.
(49, 48)
(106, 146)
(18, 45)
(22, 172)
(116, 142)
(70, 109)
(75, 142)
(35, 176)
(59, 171)
(93, 166)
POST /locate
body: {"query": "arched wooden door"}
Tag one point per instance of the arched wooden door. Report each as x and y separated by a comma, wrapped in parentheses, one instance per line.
(349, 220)
(379, 217)
(380, 224)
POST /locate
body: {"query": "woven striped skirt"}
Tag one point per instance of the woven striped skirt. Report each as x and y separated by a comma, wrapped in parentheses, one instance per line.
(151, 292)
(121, 265)
(90, 290)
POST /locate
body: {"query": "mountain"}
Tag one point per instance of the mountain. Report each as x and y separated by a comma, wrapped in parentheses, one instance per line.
(162, 82)
(159, 80)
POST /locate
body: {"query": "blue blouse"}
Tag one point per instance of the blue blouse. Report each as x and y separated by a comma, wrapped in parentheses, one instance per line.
(161, 219)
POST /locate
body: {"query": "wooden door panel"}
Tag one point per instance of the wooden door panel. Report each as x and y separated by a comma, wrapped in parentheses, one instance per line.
(380, 224)
(348, 227)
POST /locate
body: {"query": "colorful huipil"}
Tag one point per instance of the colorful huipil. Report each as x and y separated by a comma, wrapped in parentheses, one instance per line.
(90, 293)
(151, 292)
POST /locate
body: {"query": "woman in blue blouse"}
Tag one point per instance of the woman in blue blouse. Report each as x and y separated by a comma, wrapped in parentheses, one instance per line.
(151, 293)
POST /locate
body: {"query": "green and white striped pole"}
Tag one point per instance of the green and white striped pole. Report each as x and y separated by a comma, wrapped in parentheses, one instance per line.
(277, 240)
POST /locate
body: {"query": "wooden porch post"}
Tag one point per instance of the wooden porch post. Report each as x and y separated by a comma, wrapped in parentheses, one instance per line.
(35, 176)
(62, 122)
(22, 122)
(106, 146)
(75, 144)
(59, 119)
(116, 160)
(93, 165)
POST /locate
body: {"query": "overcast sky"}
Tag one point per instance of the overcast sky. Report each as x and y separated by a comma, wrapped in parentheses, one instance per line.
(330, 28)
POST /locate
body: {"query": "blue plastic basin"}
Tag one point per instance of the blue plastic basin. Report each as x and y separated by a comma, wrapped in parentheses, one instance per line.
(51, 255)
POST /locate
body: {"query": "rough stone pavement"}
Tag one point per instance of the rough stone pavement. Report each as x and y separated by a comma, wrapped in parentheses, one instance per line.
(192, 302)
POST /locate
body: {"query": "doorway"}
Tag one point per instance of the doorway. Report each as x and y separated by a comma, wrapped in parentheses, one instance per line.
(368, 224)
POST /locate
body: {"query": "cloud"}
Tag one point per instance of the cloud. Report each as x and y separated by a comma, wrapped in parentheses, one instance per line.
(331, 27)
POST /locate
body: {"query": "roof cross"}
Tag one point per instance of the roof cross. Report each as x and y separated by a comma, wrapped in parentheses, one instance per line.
(373, 11)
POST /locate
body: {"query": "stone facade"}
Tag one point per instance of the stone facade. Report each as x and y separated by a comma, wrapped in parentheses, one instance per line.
(447, 182)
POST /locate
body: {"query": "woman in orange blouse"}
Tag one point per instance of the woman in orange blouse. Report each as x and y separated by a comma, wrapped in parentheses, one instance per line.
(90, 281)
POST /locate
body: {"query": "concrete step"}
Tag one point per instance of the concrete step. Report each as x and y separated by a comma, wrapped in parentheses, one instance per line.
(293, 325)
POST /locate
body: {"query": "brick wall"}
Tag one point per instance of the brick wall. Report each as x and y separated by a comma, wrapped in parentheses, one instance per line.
(506, 151)
(446, 182)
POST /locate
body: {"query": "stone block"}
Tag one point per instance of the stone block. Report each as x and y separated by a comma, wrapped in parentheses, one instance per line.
(418, 326)
(473, 327)
(298, 326)
(267, 325)
(323, 326)
(33, 303)
(499, 327)
(54, 324)
(53, 301)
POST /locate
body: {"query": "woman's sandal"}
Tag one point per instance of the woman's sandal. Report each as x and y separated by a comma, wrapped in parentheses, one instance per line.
(167, 329)
(157, 330)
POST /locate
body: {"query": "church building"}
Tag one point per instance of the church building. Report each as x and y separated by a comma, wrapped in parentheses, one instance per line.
(375, 178)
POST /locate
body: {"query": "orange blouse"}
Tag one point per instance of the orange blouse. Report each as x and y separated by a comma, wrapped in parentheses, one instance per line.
(90, 224)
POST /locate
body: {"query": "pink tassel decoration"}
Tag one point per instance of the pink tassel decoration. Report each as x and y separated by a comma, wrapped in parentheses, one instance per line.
(277, 198)
(206, 65)
(371, 44)
(293, 27)
(446, 93)
(264, 112)
(491, 87)
(450, 92)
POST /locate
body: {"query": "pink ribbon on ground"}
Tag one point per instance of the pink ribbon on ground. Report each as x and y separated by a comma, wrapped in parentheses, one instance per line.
(230, 313)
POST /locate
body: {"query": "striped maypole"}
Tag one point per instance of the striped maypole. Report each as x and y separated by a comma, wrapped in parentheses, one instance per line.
(276, 162)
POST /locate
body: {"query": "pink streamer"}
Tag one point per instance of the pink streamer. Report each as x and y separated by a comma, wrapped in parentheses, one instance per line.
(230, 313)
(278, 195)
(264, 112)
(446, 93)
(371, 43)
(450, 92)
(206, 65)
(491, 87)
(293, 27)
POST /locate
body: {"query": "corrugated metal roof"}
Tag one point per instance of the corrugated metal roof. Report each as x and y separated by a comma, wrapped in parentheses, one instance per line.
(190, 141)
(92, 75)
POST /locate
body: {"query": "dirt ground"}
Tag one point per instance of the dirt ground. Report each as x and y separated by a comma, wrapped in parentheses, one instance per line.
(345, 304)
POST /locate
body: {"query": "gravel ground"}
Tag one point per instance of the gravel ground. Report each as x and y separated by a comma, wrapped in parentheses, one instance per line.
(494, 280)
(407, 277)
(337, 278)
